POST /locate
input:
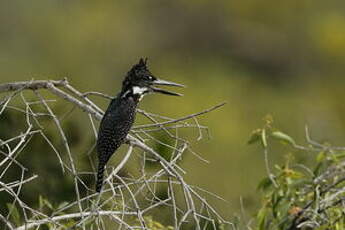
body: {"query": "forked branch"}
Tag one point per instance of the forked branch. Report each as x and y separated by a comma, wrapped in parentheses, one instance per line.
(127, 202)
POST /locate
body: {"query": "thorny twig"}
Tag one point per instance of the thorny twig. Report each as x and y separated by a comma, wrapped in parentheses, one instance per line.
(127, 201)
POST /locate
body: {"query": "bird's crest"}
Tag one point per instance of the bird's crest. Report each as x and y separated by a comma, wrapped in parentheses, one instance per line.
(143, 62)
(135, 73)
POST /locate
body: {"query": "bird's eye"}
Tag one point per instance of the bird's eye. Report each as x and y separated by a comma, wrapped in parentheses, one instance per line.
(149, 77)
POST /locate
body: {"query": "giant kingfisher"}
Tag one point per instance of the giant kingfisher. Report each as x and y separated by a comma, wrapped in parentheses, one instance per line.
(120, 114)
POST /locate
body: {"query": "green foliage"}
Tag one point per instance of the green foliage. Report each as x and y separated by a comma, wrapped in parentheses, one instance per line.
(13, 213)
(297, 197)
(263, 134)
(155, 225)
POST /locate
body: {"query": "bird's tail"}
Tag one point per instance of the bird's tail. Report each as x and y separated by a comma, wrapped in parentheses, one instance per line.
(100, 174)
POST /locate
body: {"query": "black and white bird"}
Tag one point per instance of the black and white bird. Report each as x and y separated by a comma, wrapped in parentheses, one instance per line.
(120, 115)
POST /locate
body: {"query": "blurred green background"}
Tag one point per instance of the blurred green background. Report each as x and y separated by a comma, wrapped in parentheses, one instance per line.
(284, 58)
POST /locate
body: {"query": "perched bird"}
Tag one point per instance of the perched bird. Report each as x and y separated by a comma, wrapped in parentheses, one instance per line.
(119, 117)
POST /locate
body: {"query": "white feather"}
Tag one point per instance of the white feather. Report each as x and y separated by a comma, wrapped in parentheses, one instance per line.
(139, 90)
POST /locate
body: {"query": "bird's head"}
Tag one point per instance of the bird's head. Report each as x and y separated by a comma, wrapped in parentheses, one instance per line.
(140, 81)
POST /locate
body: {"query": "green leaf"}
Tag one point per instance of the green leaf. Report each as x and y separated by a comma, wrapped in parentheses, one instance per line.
(255, 137)
(283, 137)
(264, 184)
(261, 217)
(63, 204)
(14, 213)
(44, 202)
(341, 155)
(48, 204)
(264, 138)
(40, 201)
(320, 157)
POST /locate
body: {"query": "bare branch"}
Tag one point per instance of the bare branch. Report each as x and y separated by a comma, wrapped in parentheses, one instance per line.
(126, 201)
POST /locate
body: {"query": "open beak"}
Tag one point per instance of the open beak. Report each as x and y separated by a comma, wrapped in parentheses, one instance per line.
(166, 83)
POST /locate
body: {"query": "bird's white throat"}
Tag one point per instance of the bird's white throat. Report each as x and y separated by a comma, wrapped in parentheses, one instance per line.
(139, 90)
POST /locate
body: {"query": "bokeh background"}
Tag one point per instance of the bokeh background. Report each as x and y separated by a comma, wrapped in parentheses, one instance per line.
(284, 58)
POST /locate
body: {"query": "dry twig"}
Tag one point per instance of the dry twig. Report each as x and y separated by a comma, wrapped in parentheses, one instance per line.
(127, 202)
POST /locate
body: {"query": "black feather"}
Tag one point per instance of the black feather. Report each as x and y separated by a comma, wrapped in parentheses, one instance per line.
(114, 127)
(119, 117)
